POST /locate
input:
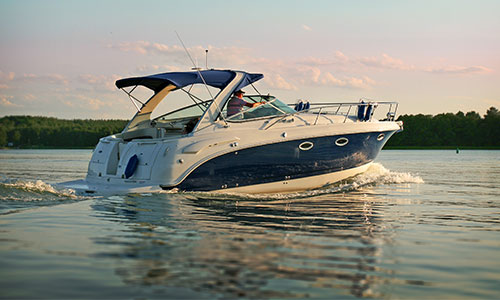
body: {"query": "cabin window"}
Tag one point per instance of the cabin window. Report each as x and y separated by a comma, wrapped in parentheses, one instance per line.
(306, 146)
(341, 141)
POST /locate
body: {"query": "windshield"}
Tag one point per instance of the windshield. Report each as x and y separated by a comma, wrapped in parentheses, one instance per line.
(194, 110)
(271, 107)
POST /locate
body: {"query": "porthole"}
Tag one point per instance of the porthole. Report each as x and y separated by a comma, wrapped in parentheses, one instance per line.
(341, 141)
(380, 137)
(306, 146)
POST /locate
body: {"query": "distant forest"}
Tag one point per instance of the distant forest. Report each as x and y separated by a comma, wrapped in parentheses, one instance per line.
(44, 132)
(448, 130)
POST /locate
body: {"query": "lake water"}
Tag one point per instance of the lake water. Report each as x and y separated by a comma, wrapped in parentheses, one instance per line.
(418, 224)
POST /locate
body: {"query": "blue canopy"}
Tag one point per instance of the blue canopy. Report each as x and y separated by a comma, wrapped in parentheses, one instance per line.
(215, 78)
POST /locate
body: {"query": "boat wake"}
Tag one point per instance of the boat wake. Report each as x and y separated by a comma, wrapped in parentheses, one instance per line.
(377, 174)
(37, 186)
(21, 194)
(18, 194)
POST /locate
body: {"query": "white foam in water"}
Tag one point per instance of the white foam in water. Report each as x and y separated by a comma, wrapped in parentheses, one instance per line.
(376, 174)
(39, 187)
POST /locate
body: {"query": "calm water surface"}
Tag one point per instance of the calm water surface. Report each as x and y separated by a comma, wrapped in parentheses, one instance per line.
(418, 224)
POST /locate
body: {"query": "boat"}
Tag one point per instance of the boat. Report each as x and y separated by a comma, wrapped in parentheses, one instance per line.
(272, 147)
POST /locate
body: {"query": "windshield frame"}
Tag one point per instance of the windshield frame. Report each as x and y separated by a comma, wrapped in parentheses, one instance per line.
(205, 103)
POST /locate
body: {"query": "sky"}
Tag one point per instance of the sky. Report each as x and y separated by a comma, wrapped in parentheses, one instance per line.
(62, 58)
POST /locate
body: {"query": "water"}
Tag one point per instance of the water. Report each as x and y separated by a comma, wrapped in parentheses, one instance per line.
(418, 224)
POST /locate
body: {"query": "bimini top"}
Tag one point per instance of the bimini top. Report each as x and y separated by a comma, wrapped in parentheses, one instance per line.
(215, 78)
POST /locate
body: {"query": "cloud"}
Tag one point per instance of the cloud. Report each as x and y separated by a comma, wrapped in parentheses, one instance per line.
(88, 103)
(336, 69)
(459, 70)
(385, 62)
(226, 57)
(314, 76)
(339, 56)
(138, 47)
(278, 82)
(99, 82)
(44, 78)
(6, 76)
(340, 60)
(29, 97)
(329, 79)
(350, 82)
(5, 101)
(306, 28)
(142, 69)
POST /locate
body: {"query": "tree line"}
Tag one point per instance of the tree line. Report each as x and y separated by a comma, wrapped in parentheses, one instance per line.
(420, 131)
(447, 130)
(45, 132)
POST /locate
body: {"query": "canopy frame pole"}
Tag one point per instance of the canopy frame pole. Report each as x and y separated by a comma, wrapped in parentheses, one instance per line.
(256, 89)
(132, 98)
(192, 97)
(270, 103)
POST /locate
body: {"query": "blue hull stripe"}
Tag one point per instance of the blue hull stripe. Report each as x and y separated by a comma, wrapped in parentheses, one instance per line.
(284, 161)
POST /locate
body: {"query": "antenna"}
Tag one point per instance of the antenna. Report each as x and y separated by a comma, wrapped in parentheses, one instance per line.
(194, 65)
(206, 59)
(199, 73)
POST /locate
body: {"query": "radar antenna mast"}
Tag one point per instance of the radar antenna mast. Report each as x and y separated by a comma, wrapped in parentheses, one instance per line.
(199, 73)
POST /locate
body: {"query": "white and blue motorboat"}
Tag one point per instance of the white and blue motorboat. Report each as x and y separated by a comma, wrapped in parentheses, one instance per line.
(269, 148)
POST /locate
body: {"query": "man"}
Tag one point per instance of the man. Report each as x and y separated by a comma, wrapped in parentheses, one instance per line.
(236, 103)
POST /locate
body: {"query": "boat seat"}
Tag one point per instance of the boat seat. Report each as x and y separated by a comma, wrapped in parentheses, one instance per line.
(144, 133)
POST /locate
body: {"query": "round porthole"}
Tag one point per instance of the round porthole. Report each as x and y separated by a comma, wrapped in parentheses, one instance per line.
(341, 141)
(380, 137)
(306, 146)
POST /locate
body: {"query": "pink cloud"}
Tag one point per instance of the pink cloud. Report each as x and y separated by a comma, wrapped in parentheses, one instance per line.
(349, 82)
(87, 102)
(44, 78)
(459, 70)
(334, 70)
(278, 82)
(6, 76)
(315, 76)
(385, 62)
(99, 82)
(5, 101)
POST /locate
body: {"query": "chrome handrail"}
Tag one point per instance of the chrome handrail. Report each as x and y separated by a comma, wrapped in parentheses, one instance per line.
(342, 106)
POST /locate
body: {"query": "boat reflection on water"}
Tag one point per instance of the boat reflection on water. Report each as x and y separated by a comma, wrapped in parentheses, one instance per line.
(256, 247)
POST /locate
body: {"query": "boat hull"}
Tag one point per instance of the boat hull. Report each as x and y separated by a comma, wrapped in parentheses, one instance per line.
(299, 184)
(288, 166)
(279, 166)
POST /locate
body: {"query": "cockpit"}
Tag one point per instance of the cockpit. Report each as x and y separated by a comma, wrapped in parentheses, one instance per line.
(204, 109)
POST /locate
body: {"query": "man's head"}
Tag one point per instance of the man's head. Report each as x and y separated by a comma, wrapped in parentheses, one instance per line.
(239, 93)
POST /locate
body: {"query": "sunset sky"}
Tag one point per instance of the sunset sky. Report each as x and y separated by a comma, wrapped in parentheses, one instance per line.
(61, 58)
